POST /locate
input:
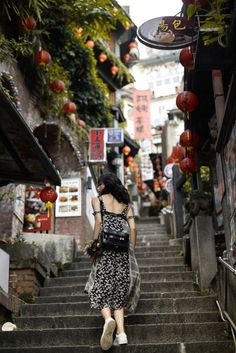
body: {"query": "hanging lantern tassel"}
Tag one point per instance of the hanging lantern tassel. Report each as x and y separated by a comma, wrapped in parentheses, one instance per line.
(48, 205)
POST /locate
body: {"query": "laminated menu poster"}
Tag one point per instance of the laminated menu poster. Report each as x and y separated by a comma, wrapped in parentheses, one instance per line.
(68, 202)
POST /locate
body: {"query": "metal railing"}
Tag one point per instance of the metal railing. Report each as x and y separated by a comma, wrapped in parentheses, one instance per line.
(224, 315)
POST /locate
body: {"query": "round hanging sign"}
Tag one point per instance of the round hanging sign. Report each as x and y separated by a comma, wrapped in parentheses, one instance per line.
(169, 32)
(168, 170)
(169, 185)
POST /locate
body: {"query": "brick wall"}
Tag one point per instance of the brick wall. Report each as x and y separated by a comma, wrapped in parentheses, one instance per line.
(24, 283)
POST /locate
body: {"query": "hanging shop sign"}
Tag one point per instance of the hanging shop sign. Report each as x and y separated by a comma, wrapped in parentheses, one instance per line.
(168, 170)
(168, 32)
(68, 203)
(169, 185)
(146, 167)
(115, 136)
(97, 145)
(141, 113)
(37, 217)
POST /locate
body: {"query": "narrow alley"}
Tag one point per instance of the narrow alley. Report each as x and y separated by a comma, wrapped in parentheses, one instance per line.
(172, 315)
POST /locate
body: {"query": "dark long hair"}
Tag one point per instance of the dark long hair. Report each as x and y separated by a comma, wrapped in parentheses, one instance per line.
(114, 186)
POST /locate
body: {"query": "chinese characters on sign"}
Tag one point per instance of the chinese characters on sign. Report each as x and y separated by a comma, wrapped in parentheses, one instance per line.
(146, 164)
(141, 106)
(115, 136)
(68, 203)
(169, 32)
(97, 145)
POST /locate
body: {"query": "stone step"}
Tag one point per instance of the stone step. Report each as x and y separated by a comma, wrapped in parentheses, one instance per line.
(84, 297)
(147, 277)
(78, 289)
(86, 263)
(142, 269)
(157, 254)
(192, 347)
(153, 242)
(138, 334)
(159, 305)
(148, 248)
(76, 321)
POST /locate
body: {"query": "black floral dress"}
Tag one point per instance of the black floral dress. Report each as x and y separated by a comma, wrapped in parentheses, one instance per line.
(112, 278)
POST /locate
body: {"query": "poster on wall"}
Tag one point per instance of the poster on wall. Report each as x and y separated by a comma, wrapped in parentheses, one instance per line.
(37, 217)
(68, 203)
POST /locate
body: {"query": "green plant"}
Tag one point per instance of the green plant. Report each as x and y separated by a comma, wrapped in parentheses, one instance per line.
(214, 23)
(23, 8)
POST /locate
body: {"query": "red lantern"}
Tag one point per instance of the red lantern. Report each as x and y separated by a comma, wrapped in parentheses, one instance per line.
(132, 45)
(188, 165)
(133, 166)
(126, 57)
(114, 70)
(70, 108)
(27, 25)
(42, 57)
(187, 101)
(126, 150)
(189, 138)
(81, 123)
(142, 187)
(102, 57)
(48, 195)
(178, 153)
(129, 159)
(186, 58)
(57, 86)
(90, 43)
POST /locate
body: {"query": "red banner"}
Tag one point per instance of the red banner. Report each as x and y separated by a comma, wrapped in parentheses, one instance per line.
(97, 145)
(141, 106)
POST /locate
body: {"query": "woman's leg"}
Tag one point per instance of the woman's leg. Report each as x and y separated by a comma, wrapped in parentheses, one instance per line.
(119, 317)
(106, 313)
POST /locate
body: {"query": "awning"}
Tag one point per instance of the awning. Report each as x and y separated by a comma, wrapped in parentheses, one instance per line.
(22, 159)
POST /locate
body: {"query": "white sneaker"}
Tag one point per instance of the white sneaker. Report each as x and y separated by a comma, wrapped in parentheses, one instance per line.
(120, 339)
(107, 334)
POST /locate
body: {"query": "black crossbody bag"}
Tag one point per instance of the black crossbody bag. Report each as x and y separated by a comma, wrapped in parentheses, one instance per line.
(111, 239)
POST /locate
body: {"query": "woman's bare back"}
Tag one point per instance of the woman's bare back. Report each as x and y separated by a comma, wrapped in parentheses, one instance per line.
(112, 205)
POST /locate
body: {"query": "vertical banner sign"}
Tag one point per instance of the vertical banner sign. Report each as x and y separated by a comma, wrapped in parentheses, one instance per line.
(141, 106)
(97, 145)
(146, 164)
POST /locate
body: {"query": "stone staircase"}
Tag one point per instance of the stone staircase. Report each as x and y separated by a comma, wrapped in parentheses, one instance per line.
(172, 316)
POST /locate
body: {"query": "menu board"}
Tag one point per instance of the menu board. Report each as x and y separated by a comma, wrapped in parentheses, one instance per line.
(68, 203)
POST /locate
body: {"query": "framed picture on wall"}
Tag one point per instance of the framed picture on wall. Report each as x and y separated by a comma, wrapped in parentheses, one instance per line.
(68, 203)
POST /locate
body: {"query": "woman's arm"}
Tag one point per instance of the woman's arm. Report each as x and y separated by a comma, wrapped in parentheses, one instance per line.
(132, 227)
(98, 217)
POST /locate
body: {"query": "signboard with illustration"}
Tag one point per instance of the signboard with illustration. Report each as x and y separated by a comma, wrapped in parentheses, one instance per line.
(169, 32)
(68, 203)
(37, 217)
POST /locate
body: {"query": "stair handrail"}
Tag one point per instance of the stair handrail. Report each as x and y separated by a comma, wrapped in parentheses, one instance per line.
(223, 313)
(226, 264)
